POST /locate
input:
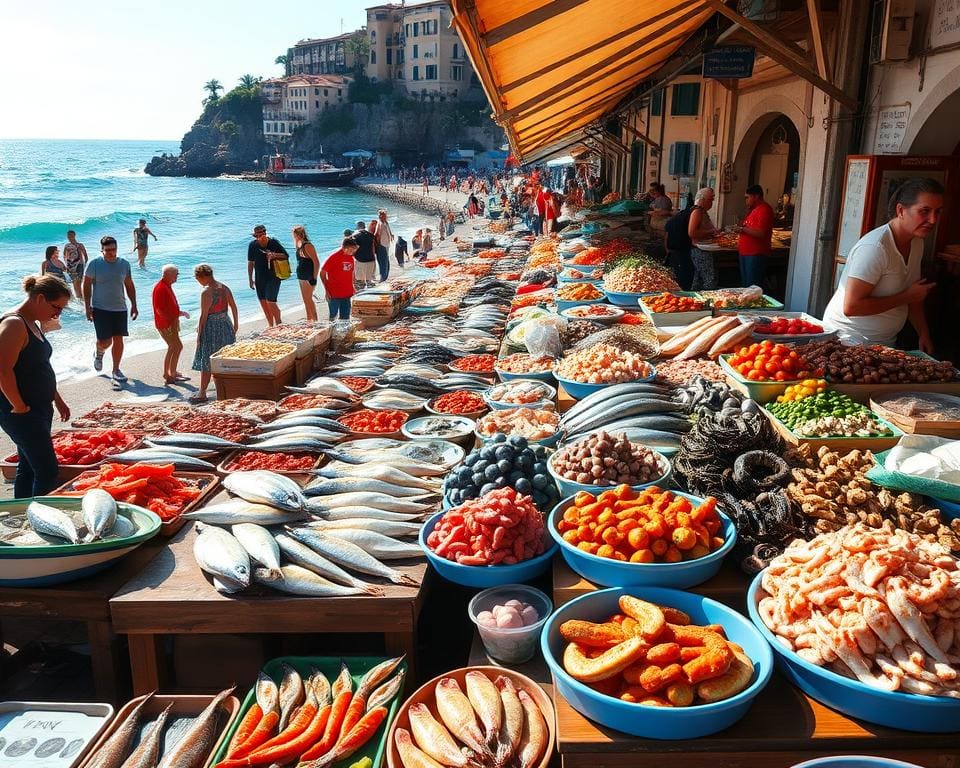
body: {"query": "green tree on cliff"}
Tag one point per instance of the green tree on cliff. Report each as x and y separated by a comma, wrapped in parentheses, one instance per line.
(213, 87)
(249, 82)
(359, 47)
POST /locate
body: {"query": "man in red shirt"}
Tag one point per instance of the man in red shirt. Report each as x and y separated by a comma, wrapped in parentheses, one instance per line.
(336, 274)
(166, 318)
(754, 241)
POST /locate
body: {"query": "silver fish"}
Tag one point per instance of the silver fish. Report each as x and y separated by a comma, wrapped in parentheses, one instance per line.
(300, 554)
(386, 473)
(304, 421)
(299, 581)
(376, 544)
(148, 751)
(196, 743)
(259, 543)
(162, 456)
(99, 512)
(115, 750)
(122, 527)
(376, 525)
(324, 385)
(195, 440)
(324, 413)
(291, 693)
(196, 453)
(291, 445)
(262, 487)
(365, 499)
(348, 555)
(49, 521)
(368, 513)
(236, 511)
(327, 486)
(219, 554)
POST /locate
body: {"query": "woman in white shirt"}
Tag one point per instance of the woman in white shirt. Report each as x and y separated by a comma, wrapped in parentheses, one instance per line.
(881, 288)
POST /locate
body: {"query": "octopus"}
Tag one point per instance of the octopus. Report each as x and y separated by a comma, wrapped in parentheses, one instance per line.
(881, 606)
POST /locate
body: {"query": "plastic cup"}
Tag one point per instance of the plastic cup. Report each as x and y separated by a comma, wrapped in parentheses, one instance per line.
(519, 644)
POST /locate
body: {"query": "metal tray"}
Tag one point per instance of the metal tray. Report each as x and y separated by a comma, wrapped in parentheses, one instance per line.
(70, 727)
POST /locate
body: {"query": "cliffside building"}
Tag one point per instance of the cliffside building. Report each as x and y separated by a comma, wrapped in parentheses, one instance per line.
(323, 56)
(289, 102)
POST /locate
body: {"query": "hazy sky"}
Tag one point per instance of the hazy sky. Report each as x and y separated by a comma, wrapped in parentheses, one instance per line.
(122, 69)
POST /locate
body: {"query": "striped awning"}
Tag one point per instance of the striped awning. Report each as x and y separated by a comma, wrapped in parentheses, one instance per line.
(552, 67)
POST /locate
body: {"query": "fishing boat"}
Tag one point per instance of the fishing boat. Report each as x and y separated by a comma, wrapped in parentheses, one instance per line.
(282, 169)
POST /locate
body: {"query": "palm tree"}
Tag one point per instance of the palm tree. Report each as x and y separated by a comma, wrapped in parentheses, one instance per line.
(212, 87)
(281, 60)
(249, 82)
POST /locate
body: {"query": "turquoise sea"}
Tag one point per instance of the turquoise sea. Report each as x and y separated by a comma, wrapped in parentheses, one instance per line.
(99, 188)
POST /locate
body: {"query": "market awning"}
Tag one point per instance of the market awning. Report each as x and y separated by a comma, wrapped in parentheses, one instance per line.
(550, 68)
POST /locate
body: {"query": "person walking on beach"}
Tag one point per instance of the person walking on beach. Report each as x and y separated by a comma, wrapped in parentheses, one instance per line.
(261, 253)
(400, 251)
(75, 257)
(52, 265)
(365, 256)
(308, 268)
(427, 244)
(166, 319)
(105, 280)
(336, 274)
(215, 330)
(28, 385)
(140, 234)
(385, 238)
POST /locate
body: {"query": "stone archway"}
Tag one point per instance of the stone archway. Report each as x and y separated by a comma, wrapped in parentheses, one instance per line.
(932, 128)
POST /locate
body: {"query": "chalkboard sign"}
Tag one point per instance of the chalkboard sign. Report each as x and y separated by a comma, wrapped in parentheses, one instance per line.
(854, 203)
(733, 61)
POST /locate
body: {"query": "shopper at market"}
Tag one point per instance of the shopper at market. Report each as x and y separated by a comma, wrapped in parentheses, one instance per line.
(366, 256)
(384, 238)
(28, 385)
(755, 235)
(881, 287)
(166, 319)
(700, 228)
(308, 267)
(661, 207)
(105, 281)
(683, 229)
(261, 253)
(336, 274)
(215, 330)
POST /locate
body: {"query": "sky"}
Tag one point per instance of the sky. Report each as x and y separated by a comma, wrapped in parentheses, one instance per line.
(122, 69)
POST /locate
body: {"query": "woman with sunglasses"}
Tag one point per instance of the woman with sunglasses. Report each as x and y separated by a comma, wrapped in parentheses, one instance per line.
(28, 385)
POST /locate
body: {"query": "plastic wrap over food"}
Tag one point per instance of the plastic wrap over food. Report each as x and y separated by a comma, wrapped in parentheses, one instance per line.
(936, 458)
(543, 339)
(924, 407)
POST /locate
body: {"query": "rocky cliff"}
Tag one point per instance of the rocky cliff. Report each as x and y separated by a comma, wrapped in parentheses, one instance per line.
(227, 138)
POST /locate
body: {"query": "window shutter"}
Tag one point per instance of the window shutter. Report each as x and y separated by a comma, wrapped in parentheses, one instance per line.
(683, 159)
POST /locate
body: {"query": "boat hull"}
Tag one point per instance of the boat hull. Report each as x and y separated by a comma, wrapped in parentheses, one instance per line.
(312, 178)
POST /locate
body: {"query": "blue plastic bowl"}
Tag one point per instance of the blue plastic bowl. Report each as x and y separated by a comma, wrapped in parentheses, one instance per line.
(548, 398)
(562, 304)
(614, 573)
(484, 575)
(854, 761)
(656, 722)
(907, 711)
(579, 390)
(950, 509)
(571, 488)
(546, 376)
(624, 299)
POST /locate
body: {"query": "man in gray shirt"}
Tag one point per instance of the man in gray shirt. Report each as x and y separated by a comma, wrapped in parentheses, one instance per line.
(105, 281)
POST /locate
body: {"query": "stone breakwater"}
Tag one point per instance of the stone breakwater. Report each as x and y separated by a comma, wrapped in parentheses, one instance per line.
(412, 198)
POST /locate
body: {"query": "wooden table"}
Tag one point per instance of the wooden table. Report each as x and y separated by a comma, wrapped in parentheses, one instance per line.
(173, 596)
(85, 600)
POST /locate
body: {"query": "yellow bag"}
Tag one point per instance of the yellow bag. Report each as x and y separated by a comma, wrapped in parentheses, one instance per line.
(281, 268)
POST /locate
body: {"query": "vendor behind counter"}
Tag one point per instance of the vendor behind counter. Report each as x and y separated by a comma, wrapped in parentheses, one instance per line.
(881, 287)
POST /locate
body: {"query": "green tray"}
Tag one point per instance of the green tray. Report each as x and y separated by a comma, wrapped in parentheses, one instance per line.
(899, 481)
(330, 666)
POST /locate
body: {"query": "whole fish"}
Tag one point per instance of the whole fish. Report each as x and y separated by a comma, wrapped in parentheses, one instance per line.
(50, 521)
(291, 444)
(376, 345)
(436, 740)
(259, 543)
(197, 453)
(426, 371)
(386, 473)
(369, 513)
(117, 748)
(533, 741)
(220, 555)
(317, 681)
(366, 499)
(397, 461)
(300, 554)
(122, 527)
(412, 756)
(410, 382)
(304, 421)
(376, 675)
(299, 581)
(385, 693)
(621, 410)
(291, 693)
(196, 743)
(485, 699)
(326, 413)
(376, 544)
(328, 486)
(324, 385)
(236, 511)
(99, 513)
(148, 751)
(347, 555)
(301, 430)
(457, 714)
(162, 456)
(195, 440)
(511, 729)
(263, 487)
(616, 390)
(268, 696)
(375, 525)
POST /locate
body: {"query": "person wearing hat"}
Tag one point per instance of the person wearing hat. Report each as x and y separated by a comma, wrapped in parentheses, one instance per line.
(260, 256)
(755, 234)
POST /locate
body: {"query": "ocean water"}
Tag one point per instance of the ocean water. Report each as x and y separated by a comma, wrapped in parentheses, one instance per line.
(99, 188)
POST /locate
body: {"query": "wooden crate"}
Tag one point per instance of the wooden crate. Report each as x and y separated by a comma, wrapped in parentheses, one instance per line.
(244, 367)
(303, 368)
(230, 385)
(917, 426)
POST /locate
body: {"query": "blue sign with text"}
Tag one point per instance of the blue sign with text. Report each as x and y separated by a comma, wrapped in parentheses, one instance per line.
(733, 61)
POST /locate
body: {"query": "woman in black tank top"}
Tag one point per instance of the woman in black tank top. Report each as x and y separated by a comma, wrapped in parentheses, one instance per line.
(28, 385)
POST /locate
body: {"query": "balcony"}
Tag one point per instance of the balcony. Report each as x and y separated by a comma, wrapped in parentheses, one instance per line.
(294, 117)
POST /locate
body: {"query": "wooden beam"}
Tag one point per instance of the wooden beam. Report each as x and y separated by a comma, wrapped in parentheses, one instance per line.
(816, 32)
(642, 136)
(529, 20)
(541, 153)
(581, 117)
(773, 47)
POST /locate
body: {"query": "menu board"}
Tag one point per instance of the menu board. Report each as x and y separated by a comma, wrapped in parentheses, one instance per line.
(854, 202)
(891, 129)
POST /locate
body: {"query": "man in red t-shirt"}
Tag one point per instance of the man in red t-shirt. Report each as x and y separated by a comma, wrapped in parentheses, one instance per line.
(336, 274)
(755, 233)
(166, 318)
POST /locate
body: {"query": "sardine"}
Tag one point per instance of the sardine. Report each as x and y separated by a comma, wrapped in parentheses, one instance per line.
(259, 543)
(163, 456)
(263, 487)
(291, 693)
(410, 755)
(485, 699)
(366, 499)
(384, 694)
(195, 440)
(436, 740)
(220, 555)
(147, 752)
(116, 749)
(329, 486)
(371, 513)
(237, 511)
(511, 728)
(268, 696)
(299, 581)
(99, 513)
(457, 714)
(533, 741)
(196, 743)
(372, 524)
(300, 554)
(386, 473)
(348, 555)
(376, 544)
(50, 521)
(376, 675)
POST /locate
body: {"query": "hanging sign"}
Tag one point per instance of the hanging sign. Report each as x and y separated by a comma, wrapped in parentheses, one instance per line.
(729, 61)
(891, 128)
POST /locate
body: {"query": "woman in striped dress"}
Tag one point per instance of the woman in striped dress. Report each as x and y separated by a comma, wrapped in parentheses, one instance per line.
(215, 330)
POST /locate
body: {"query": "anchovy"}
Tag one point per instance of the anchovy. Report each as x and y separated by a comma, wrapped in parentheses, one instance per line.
(50, 521)
(348, 555)
(376, 675)
(99, 513)
(300, 554)
(299, 581)
(385, 693)
(219, 554)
